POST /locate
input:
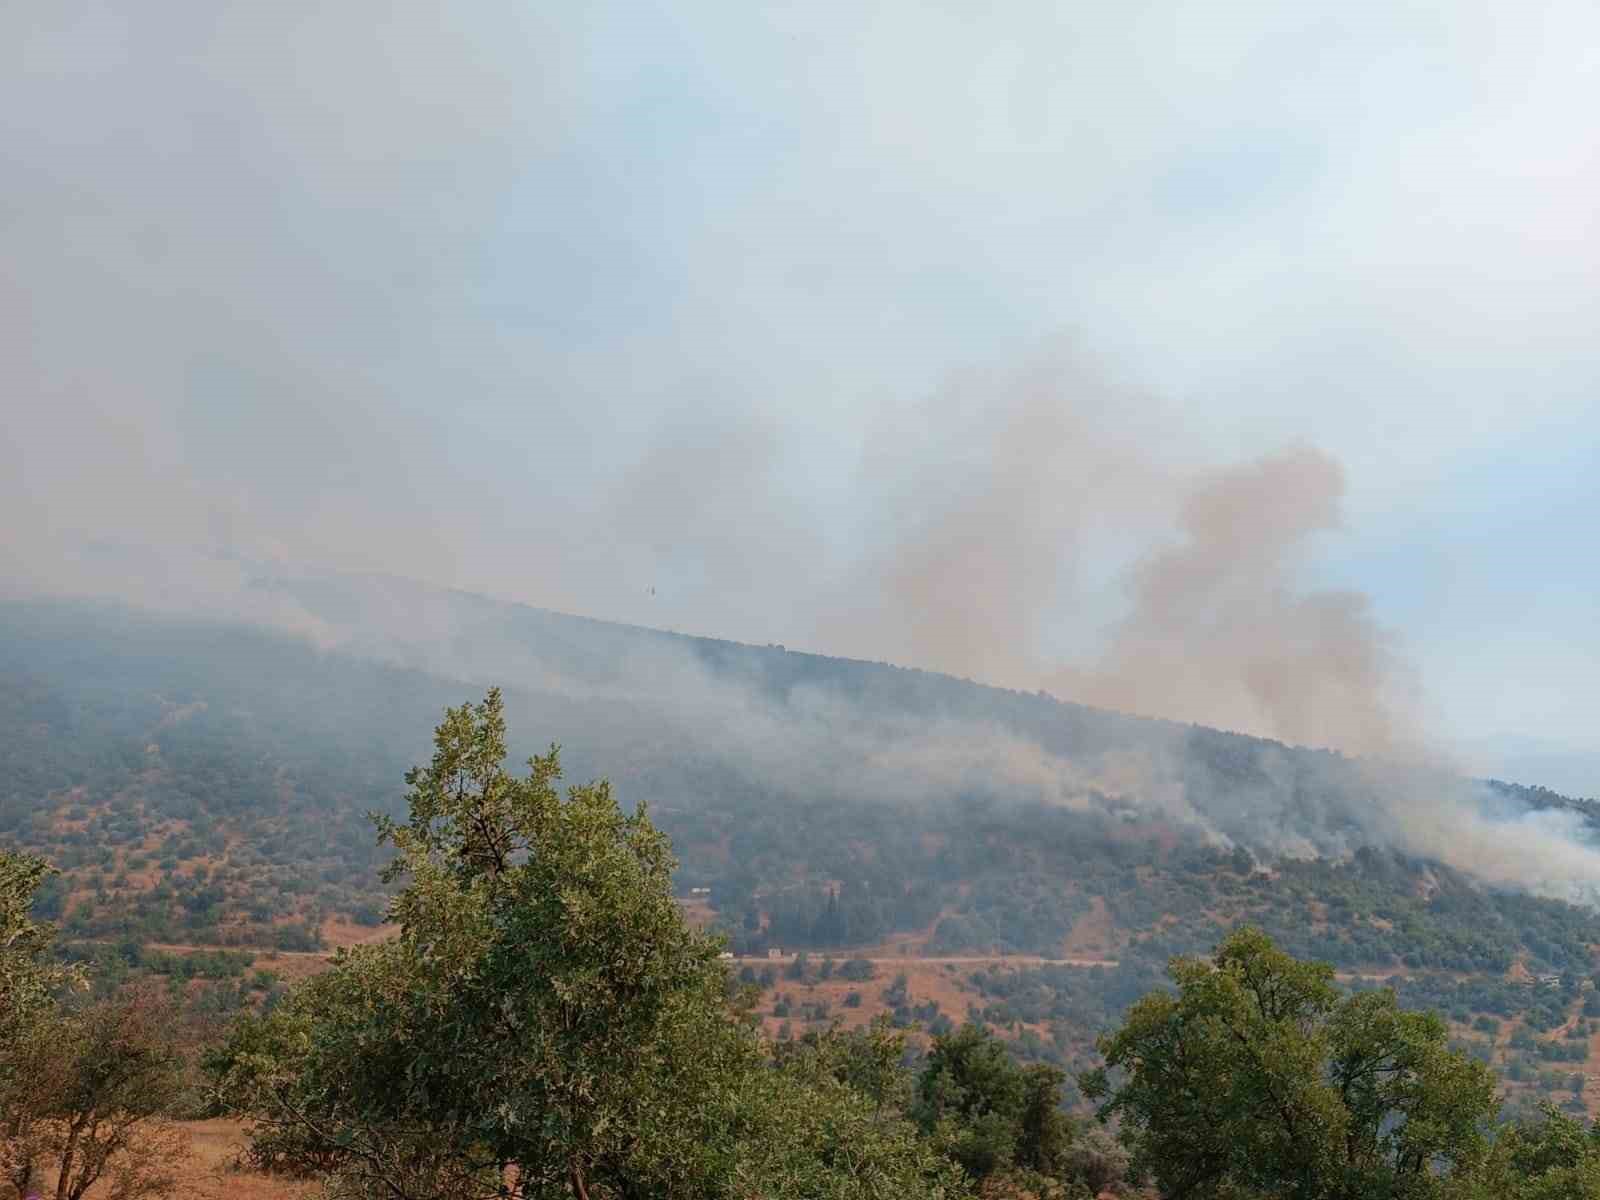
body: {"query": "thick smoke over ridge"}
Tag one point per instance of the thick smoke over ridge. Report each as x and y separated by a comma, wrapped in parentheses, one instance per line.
(1219, 634)
(292, 290)
(998, 505)
(989, 490)
(988, 560)
(865, 743)
(1218, 631)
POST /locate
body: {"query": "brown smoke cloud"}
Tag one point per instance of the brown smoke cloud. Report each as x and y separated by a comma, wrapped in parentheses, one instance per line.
(995, 486)
(988, 490)
(1220, 633)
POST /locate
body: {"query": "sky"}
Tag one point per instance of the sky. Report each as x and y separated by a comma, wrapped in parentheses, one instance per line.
(907, 331)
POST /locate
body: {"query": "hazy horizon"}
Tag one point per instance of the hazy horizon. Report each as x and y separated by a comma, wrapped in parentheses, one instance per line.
(1234, 367)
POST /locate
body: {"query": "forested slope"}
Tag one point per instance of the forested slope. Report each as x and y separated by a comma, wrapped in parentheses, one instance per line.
(207, 783)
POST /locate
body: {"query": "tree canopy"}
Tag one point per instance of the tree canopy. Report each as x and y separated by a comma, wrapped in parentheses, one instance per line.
(546, 1023)
(1259, 1078)
(84, 1088)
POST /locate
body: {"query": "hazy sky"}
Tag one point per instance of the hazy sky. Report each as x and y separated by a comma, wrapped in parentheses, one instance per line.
(566, 302)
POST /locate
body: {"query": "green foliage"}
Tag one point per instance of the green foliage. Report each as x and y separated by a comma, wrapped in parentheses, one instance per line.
(25, 993)
(31, 1032)
(547, 1016)
(204, 785)
(217, 743)
(867, 1060)
(802, 1132)
(1258, 1078)
(110, 1075)
(545, 1010)
(989, 1113)
(27, 979)
(82, 1088)
(1549, 1158)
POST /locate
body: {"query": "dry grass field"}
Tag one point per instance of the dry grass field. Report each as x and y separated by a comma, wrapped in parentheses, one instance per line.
(211, 1170)
(213, 1173)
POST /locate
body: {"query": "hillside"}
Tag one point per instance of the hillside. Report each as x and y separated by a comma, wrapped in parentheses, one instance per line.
(207, 785)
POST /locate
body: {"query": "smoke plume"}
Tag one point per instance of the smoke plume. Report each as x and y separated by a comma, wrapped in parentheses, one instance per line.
(1007, 493)
(986, 495)
(1219, 632)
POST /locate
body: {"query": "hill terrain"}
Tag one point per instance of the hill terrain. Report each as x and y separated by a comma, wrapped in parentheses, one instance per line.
(205, 789)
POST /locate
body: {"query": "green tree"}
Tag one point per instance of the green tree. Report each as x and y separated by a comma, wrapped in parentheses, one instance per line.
(29, 983)
(866, 1060)
(27, 978)
(827, 1124)
(545, 1024)
(1552, 1158)
(110, 1077)
(804, 1137)
(969, 1097)
(545, 1013)
(989, 1113)
(84, 1089)
(1258, 1079)
(1044, 1132)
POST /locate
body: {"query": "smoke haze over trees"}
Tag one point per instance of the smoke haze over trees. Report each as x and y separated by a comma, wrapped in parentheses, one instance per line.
(485, 312)
(1010, 499)
(719, 734)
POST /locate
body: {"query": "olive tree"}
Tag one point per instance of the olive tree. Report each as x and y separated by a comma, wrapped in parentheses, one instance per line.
(546, 1023)
(1258, 1078)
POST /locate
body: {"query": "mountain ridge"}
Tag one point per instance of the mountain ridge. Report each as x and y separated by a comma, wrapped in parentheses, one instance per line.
(207, 784)
(636, 704)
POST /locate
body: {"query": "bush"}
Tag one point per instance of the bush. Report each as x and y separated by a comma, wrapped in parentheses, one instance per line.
(296, 937)
(1098, 1161)
(898, 991)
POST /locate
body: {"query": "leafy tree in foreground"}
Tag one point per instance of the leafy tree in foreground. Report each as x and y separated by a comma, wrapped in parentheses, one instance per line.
(867, 1060)
(1259, 1079)
(24, 976)
(1553, 1158)
(27, 1009)
(825, 1125)
(545, 1024)
(991, 1114)
(111, 1074)
(83, 1090)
